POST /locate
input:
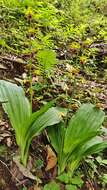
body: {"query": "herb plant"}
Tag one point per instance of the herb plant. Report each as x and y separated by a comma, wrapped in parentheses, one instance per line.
(80, 139)
(47, 60)
(25, 123)
(52, 186)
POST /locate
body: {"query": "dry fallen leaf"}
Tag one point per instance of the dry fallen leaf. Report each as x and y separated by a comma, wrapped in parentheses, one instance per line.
(9, 142)
(72, 69)
(51, 159)
(3, 67)
(25, 171)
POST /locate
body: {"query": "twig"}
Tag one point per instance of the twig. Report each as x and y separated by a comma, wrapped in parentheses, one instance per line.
(100, 45)
(12, 60)
(10, 172)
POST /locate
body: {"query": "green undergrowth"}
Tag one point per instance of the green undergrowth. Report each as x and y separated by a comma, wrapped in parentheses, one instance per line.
(64, 46)
(70, 27)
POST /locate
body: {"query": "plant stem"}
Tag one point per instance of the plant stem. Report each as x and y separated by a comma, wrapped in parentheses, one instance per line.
(31, 90)
(72, 96)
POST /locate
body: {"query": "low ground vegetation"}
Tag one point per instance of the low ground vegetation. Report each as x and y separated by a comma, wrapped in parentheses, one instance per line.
(53, 95)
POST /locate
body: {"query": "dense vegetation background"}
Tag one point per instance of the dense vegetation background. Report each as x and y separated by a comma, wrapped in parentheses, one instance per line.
(53, 49)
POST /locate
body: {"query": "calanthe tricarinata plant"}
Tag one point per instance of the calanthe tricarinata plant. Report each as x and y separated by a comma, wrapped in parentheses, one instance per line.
(80, 139)
(25, 123)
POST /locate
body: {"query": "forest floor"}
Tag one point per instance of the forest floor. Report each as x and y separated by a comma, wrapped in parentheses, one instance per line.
(25, 31)
(87, 85)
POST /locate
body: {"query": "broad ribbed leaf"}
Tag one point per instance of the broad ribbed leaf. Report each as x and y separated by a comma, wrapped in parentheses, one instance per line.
(82, 127)
(79, 138)
(17, 106)
(56, 135)
(26, 124)
(50, 117)
(43, 109)
(95, 145)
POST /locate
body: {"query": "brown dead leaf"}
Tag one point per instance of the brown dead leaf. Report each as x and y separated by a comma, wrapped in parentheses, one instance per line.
(25, 171)
(3, 67)
(5, 135)
(9, 142)
(51, 159)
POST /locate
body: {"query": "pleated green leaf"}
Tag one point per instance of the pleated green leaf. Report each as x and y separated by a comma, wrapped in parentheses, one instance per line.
(93, 146)
(56, 135)
(17, 107)
(83, 126)
(79, 139)
(26, 124)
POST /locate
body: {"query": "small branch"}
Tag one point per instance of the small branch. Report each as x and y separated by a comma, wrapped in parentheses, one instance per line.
(10, 172)
(13, 60)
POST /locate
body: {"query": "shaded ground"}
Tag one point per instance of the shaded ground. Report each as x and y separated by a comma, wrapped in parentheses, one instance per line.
(89, 86)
